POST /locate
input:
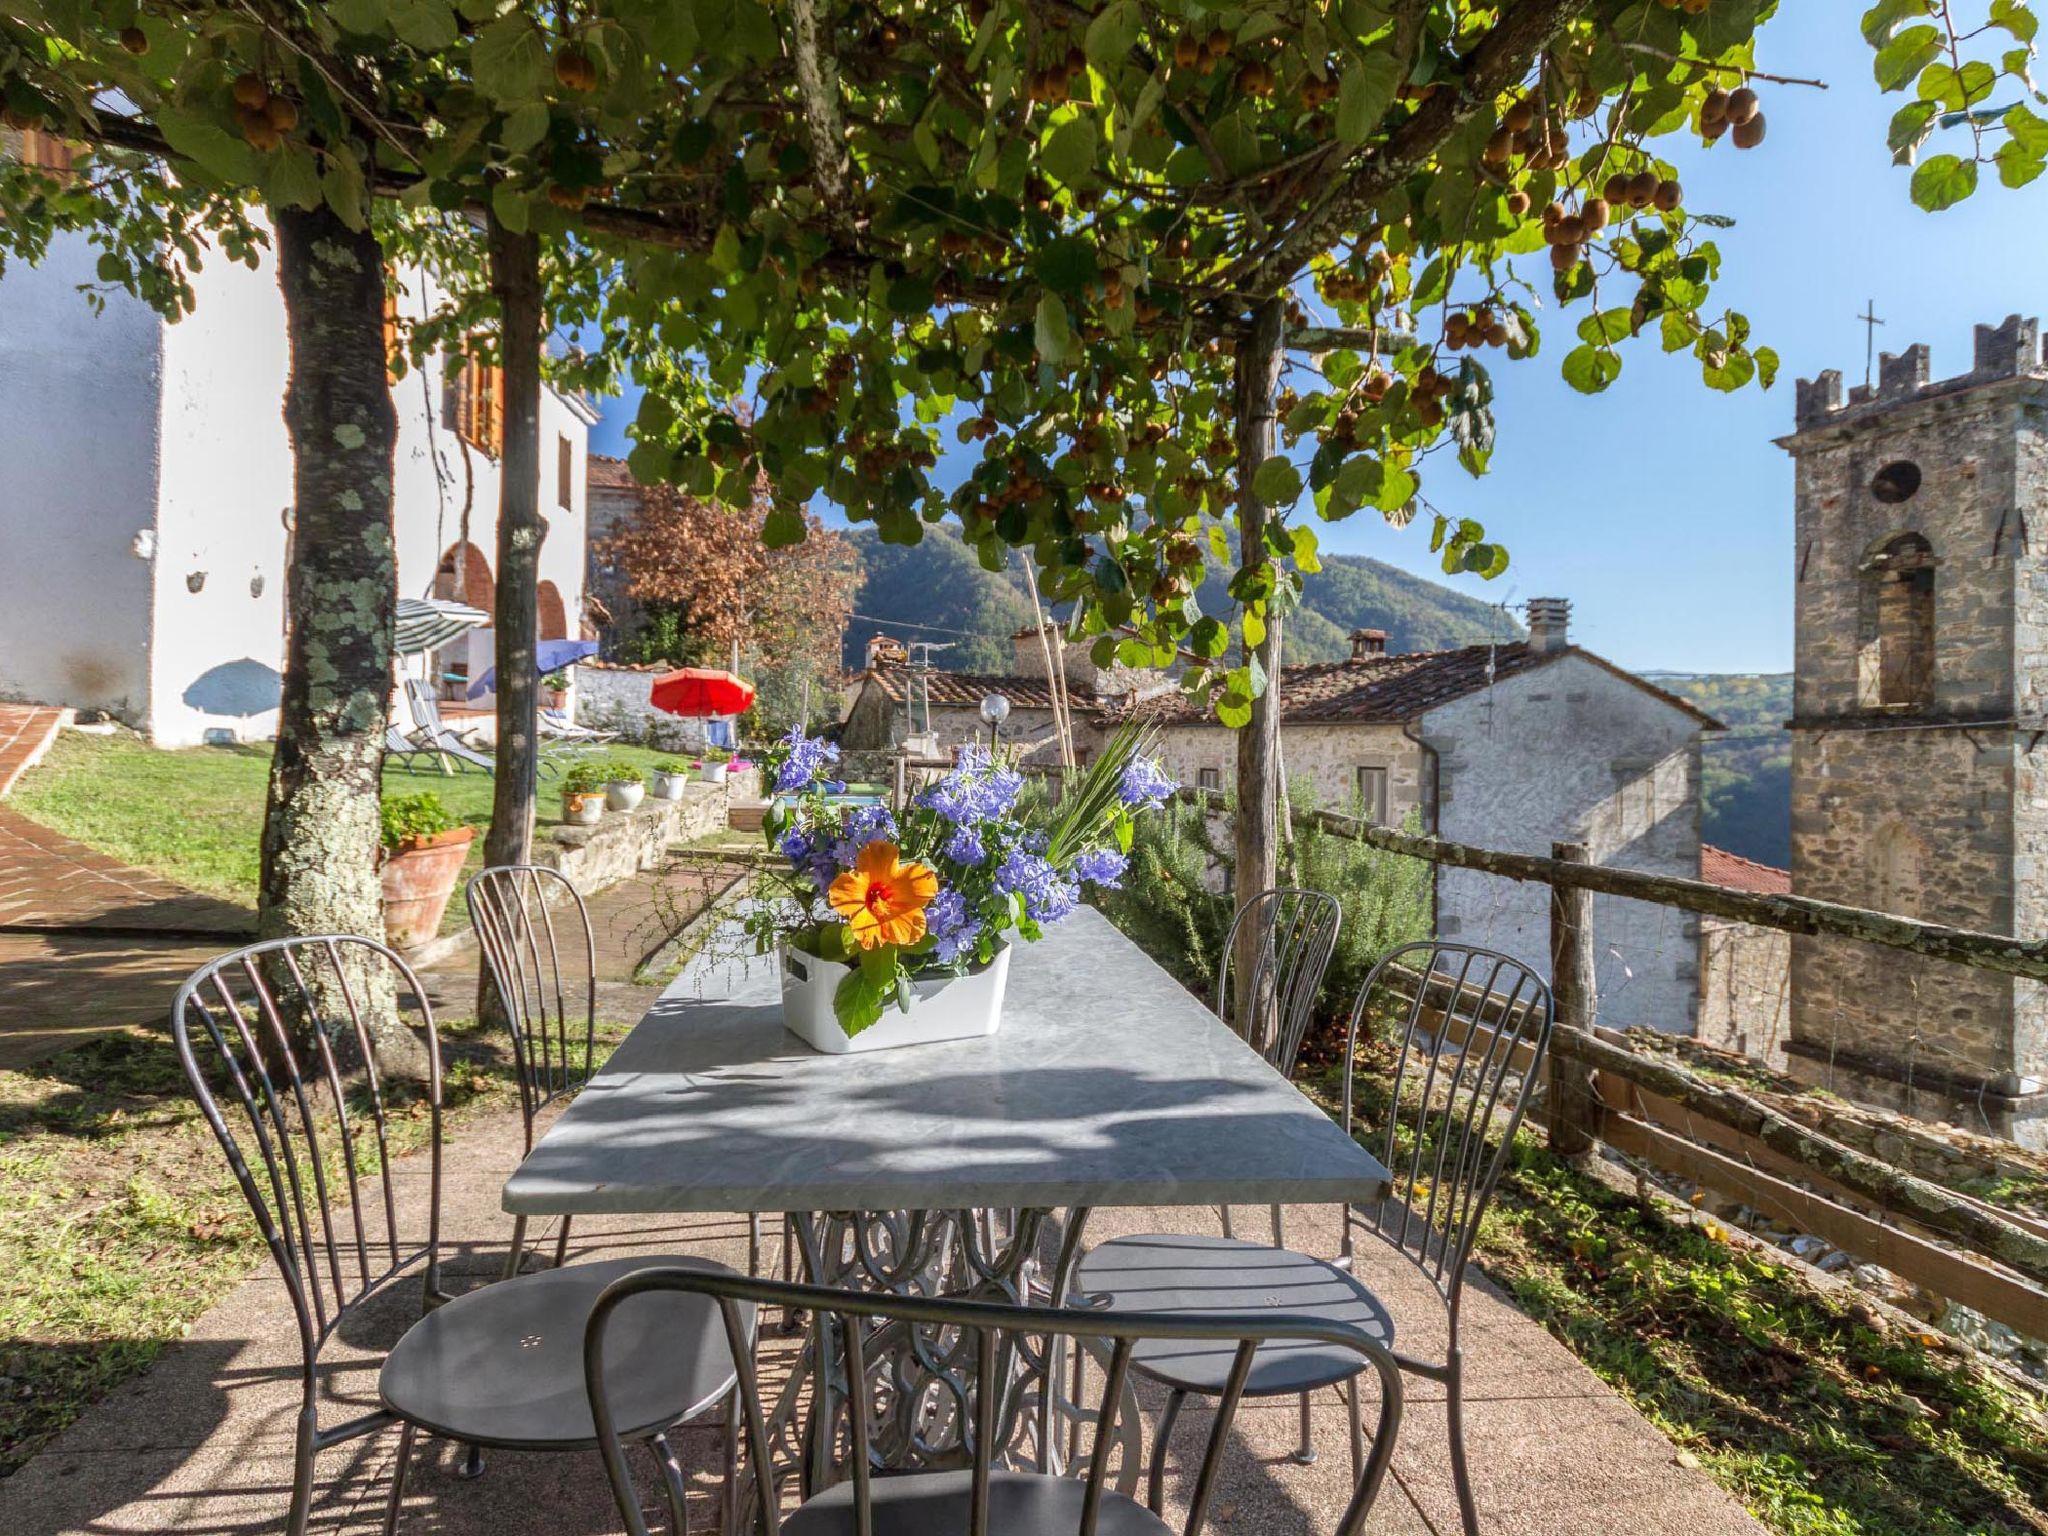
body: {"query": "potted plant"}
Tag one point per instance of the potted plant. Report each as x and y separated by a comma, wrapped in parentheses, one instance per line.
(583, 794)
(714, 765)
(624, 786)
(670, 776)
(896, 929)
(424, 849)
(554, 690)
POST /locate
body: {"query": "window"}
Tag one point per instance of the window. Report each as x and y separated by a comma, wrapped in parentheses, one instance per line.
(1896, 482)
(1896, 666)
(1210, 778)
(1372, 795)
(474, 403)
(565, 472)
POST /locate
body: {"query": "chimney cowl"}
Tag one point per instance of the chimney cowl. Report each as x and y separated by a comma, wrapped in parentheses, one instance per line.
(1368, 643)
(1550, 621)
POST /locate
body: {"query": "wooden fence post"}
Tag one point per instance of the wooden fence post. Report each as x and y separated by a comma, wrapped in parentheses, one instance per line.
(1573, 1110)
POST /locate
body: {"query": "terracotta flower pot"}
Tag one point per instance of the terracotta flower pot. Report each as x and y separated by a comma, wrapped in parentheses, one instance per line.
(418, 880)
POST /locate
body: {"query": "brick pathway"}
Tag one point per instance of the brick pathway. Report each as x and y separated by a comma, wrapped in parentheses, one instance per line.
(48, 880)
(26, 731)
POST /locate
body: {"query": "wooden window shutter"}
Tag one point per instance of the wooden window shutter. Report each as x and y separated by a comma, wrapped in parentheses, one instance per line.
(390, 337)
(46, 152)
(565, 471)
(494, 387)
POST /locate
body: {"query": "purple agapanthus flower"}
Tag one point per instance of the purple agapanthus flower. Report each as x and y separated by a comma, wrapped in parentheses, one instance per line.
(807, 756)
(953, 931)
(1145, 784)
(1101, 866)
(977, 789)
(1047, 896)
(964, 846)
(864, 824)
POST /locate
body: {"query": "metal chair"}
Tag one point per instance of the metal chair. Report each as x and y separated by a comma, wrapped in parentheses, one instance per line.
(430, 733)
(1296, 935)
(541, 956)
(1475, 1028)
(967, 1409)
(292, 1037)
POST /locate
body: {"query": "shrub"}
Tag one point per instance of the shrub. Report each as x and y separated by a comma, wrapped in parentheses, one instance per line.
(556, 682)
(585, 779)
(673, 766)
(1173, 903)
(413, 818)
(618, 771)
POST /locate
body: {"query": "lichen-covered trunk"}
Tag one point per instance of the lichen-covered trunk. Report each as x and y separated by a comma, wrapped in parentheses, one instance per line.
(515, 280)
(320, 822)
(1257, 850)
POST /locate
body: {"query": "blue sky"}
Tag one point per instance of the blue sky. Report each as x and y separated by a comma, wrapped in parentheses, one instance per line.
(1662, 509)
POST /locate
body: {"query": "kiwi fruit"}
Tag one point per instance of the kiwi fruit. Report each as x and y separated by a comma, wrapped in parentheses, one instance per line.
(1668, 196)
(1715, 107)
(282, 113)
(1518, 203)
(1595, 214)
(1750, 134)
(1616, 188)
(1642, 187)
(250, 91)
(1564, 257)
(1742, 106)
(135, 40)
(1519, 116)
(1218, 43)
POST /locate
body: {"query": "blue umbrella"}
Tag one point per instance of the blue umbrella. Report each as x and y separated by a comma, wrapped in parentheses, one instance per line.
(548, 656)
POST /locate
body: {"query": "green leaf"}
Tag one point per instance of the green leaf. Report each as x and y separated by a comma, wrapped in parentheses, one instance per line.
(1277, 482)
(864, 992)
(207, 145)
(525, 127)
(428, 25)
(1942, 181)
(1069, 152)
(1902, 59)
(509, 60)
(2016, 17)
(1066, 266)
(1050, 333)
(510, 206)
(1365, 92)
(294, 179)
(2016, 165)
(341, 183)
(2028, 130)
(1108, 39)
(1305, 556)
(1590, 369)
(783, 527)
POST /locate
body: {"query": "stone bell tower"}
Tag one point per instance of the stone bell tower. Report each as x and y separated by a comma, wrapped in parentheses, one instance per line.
(1920, 725)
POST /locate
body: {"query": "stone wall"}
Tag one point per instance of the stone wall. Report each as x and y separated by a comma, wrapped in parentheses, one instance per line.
(1320, 760)
(1573, 751)
(612, 696)
(625, 842)
(1937, 808)
(1745, 990)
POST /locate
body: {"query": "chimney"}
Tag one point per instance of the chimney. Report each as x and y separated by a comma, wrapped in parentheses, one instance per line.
(885, 650)
(1549, 620)
(1368, 643)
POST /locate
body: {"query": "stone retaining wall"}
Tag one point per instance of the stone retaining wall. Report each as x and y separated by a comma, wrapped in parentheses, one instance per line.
(626, 842)
(613, 697)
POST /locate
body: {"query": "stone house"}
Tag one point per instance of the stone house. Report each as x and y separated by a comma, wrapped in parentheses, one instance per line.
(1510, 746)
(1920, 724)
(146, 490)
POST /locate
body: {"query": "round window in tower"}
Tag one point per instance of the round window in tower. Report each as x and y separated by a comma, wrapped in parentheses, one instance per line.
(1896, 482)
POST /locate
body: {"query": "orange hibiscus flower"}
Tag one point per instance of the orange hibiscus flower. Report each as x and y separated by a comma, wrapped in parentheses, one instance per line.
(882, 899)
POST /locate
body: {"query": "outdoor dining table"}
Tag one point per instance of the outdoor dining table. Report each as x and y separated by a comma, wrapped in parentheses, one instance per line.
(942, 1167)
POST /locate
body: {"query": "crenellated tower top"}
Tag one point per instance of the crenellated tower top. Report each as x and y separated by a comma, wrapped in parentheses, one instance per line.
(2008, 350)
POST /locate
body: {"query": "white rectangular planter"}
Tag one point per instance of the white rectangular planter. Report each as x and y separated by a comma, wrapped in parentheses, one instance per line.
(941, 1008)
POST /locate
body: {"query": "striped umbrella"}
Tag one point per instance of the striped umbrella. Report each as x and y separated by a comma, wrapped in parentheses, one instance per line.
(427, 622)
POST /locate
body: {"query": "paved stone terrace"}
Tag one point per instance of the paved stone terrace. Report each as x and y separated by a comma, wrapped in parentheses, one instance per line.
(202, 1443)
(26, 731)
(48, 880)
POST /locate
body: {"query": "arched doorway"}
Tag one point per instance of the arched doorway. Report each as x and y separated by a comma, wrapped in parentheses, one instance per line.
(554, 617)
(463, 576)
(1897, 668)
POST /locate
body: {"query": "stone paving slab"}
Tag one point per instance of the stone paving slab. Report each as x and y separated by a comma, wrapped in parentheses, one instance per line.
(60, 990)
(48, 880)
(201, 1443)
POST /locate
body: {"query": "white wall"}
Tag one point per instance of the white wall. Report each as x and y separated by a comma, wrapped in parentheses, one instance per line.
(115, 424)
(78, 476)
(1571, 752)
(225, 496)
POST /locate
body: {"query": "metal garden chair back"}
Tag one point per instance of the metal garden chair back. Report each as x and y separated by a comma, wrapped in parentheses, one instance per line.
(541, 956)
(1294, 934)
(279, 1042)
(979, 1400)
(1473, 1028)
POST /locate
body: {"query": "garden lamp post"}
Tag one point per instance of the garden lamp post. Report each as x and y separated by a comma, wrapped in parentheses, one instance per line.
(995, 709)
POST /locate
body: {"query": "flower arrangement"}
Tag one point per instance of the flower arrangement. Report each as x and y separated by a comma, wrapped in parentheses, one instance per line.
(937, 889)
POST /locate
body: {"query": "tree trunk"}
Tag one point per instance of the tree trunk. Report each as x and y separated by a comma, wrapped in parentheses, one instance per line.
(515, 280)
(1257, 861)
(320, 823)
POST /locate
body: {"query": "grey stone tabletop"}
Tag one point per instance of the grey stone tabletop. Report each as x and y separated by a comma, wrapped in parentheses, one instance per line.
(1107, 1085)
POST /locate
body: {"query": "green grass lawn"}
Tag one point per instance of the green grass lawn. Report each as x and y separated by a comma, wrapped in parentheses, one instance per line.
(196, 816)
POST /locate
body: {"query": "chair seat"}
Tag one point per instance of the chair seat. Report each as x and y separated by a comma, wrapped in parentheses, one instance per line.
(938, 1503)
(1190, 1272)
(503, 1366)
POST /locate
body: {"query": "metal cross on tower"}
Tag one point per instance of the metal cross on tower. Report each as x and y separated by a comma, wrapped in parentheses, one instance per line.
(1870, 324)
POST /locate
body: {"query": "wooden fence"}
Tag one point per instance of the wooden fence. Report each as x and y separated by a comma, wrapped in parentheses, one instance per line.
(1646, 1106)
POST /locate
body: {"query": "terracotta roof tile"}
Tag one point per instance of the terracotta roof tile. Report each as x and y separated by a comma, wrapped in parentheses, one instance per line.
(965, 690)
(611, 474)
(1720, 867)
